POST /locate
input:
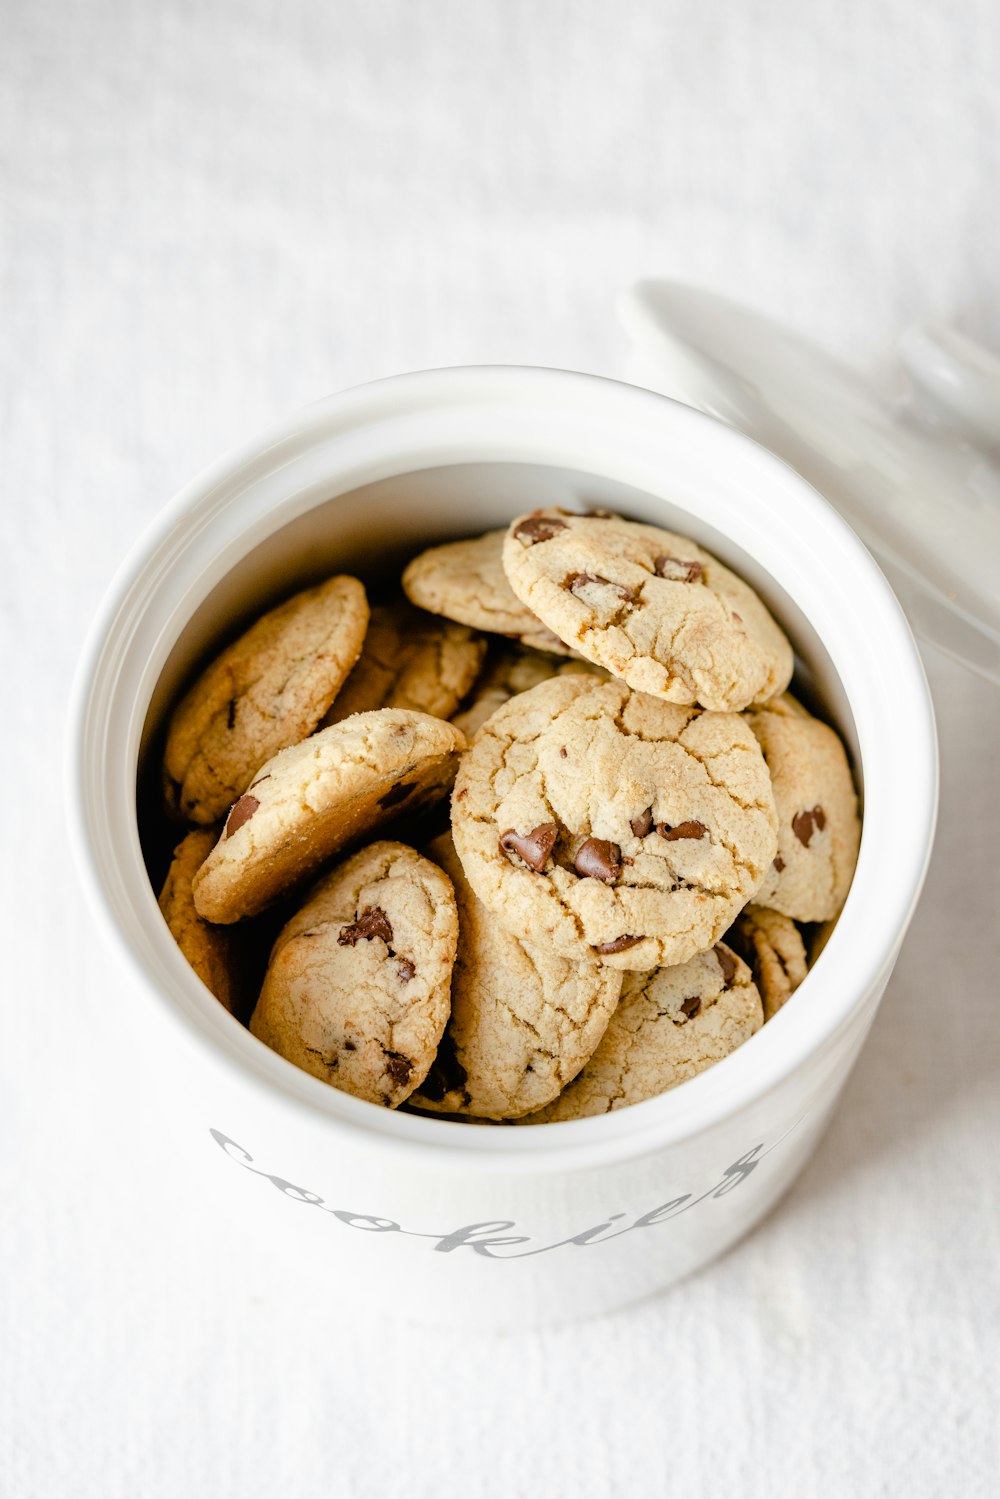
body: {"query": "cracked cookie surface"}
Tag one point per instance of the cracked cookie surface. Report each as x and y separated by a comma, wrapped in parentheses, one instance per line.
(465, 580)
(356, 990)
(818, 827)
(652, 607)
(312, 800)
(266, 691)
(600, 822)
(206, 948)
(410, 659)
(669, 1026)
(523, 1020)
(772, 946)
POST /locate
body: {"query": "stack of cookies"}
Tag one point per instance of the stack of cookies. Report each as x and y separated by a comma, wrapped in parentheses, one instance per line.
(641, 817)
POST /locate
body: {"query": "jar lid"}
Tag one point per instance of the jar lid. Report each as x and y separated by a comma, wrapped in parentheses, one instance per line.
(916, 474)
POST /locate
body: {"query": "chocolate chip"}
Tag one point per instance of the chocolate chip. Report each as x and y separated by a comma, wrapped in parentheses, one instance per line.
(779, 863)
(642, 824)
(231, 715)
(447, 1075)
(691, 1006)
(575, 582)
(373, 922)
(598, 859)
(563, 752)
(677, 571)
(397, 794)
(405, 970)
(620, 944)
(241, 812)
(539, 528)
(534, 847)
(682, 830)
(804, 824)
(726, 962)
(350, 1046)
(398, 1067)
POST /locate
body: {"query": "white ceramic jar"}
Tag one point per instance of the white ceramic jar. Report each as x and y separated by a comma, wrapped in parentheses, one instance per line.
(498, 1226)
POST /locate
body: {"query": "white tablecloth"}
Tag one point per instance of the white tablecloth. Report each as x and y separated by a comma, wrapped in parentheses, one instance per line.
(213, 213)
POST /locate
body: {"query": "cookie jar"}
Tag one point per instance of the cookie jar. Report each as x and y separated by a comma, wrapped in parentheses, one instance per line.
(494, 1226)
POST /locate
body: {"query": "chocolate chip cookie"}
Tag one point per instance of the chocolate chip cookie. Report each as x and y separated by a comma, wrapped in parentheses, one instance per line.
(412, 660)
(319, 796)
(207, 948)
(357, 986)
(465, 581)
(669, 1026)
(652, 607)
(266, 691)
(523, 1020)
(818, 827)
(601, 822)
(772, 946)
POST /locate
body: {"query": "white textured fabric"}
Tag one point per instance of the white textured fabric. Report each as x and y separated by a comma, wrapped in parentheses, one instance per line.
(213, 213)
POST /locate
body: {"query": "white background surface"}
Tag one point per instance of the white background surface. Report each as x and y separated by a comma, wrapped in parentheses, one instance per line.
(213, 213)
